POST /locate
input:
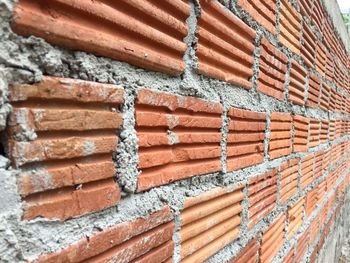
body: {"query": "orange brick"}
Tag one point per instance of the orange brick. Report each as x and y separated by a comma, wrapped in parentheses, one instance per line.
(321, 58)
(262, 192)
(280, 137)
(324, 131)
(318, 164)
(272, 240)
(314, 91)
(307, 168)
(314, 139)
(305, 8)
(333, 100)
(311, 201)
(209, 222)
(332, 129)
(289, 179)
(301, 131)
(314, 228)
(302, 246)
(225, 45)
(178, 137)
(321, 192)
(272, 70)
(325, 95)
(296, 89)
(290, 25)
(295, 217)
(74, 140)
(113, 31)
(143, 239)
(245, 140)
(308, 47)
(317, 16)
(289, 258)
(329, 66)
(249, 254)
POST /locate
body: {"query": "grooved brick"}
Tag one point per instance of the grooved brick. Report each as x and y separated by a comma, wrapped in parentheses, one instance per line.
(314, 227)
(301, 131)
(296, 88)
(315, 126)
(127, 31)
(280, 137)
(178, 137)
(249, 254)
(332, 100)
(321, 191)
(245, 140)
(272, 240)
(317, 16)
(321, 58)
(262, 192)
(225, 45)
(325, 96)
(73, 141)
(302, 246)
(324, 131)
(326, 159)
(295, 217)
(272, 70)
(264, 12)
(313, 92)
(318, 160)
(329, 65)
(308, 47)
(307, 170)
(289, 258)
(289, 179)
(209, 222)
(135, 241)
(290, 27)
(305, 7)
(311, 201)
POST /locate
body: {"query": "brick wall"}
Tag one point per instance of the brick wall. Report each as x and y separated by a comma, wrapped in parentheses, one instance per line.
(189, 131)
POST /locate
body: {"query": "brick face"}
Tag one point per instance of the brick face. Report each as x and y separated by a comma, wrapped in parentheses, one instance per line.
(280, 137)
(308, 47)
(249, 254)
(301, 130)
(72, 140)
(272, 70)
(225, 45)
(295, 217)
(245, 141)
(113, 30)
(209, 222)
(289, 179)
(296, 88)
(314, 91)
(314, 138)
(178, 137)
(307, 170)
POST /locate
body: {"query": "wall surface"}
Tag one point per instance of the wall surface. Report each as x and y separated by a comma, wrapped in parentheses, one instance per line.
(173, 131)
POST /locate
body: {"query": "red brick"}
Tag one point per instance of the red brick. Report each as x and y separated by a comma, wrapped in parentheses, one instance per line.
(296, 89)
(308, 47)
(318, 160)
(325, 96)
(333, 100)
(249, 254)
(290, 26)
(289, 258)
(332, 129)
(315, 126)
(321, 58)
(272, 240)
(311, 201)
(295, 217)
(272, 70)
(74, 140)
(225, 45)
(324, 131)
(127, 32)
(124, 242)
(321, 192)
(245, 140)
(302, 246)
(314, 228)
(301, 131)
(305, 7)
(313, 92)
(264, 12)
(262, 192)
(317, 16)
(178, 137)
(289, 179)
(280, 136)
(307, 168)
(329, 66)
(209, 222)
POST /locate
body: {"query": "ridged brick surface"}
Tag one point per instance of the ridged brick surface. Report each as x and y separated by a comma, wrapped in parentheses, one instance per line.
(73, 138)
(264, 12)
(318, 162)
(280, 137)
(305, 7)
(311, 201)
(297, 82)
(272, 240)
(302, 246)
(321, 191)
(329, 66)
(245, 140)
(142, 240)
(262, 192)
(272, 70)
(249, 254)
(314, 228)
(324, 131)
(317, 16)
(295, 217)
(301, 130)
(325, 96)
(290, 27)
(127, 31)
(178, 137)
(209, 222)
(313, 92)
(321, 58)
(307, 170)
(289, 179)
(308, 47)
(225, 45)
(314, 138)
(289, 258)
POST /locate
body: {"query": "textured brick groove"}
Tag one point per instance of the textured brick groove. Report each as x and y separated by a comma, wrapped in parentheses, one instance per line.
(178, 137)
(295, 217)
(314, 91)
(301, 131)
(73, 139)
(297, 82)
(307, 170)
(289, 179)
(249, 254)
(280, 138)
(209, 222)
(308, 48)
(302, 246)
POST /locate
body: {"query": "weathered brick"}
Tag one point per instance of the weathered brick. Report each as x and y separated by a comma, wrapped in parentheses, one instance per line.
(140, 240)
(315, 126)
(325, 96)
(272, 240)
(262, 192)
(326, 159)
(308, 47)
(289, 258)
(311, 201)
(329, 66)
(305, 8)
(324, 131)
(318, 161)
(314, 228)
(313, 92)
(321, 191)
(264, 12)
(302, 246)
(209, 222)
(295, 217)
(307, 168)
(317, 16)
(290, 26)
(245, 140)
(289, 179)
(128, 31)
(296, 88)
(249, 254)
(333, 100)
(178, 137)
(301, 133)
(73, 141)
(280, 137)
(225, 45)
(272, 70)
(321, 58)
